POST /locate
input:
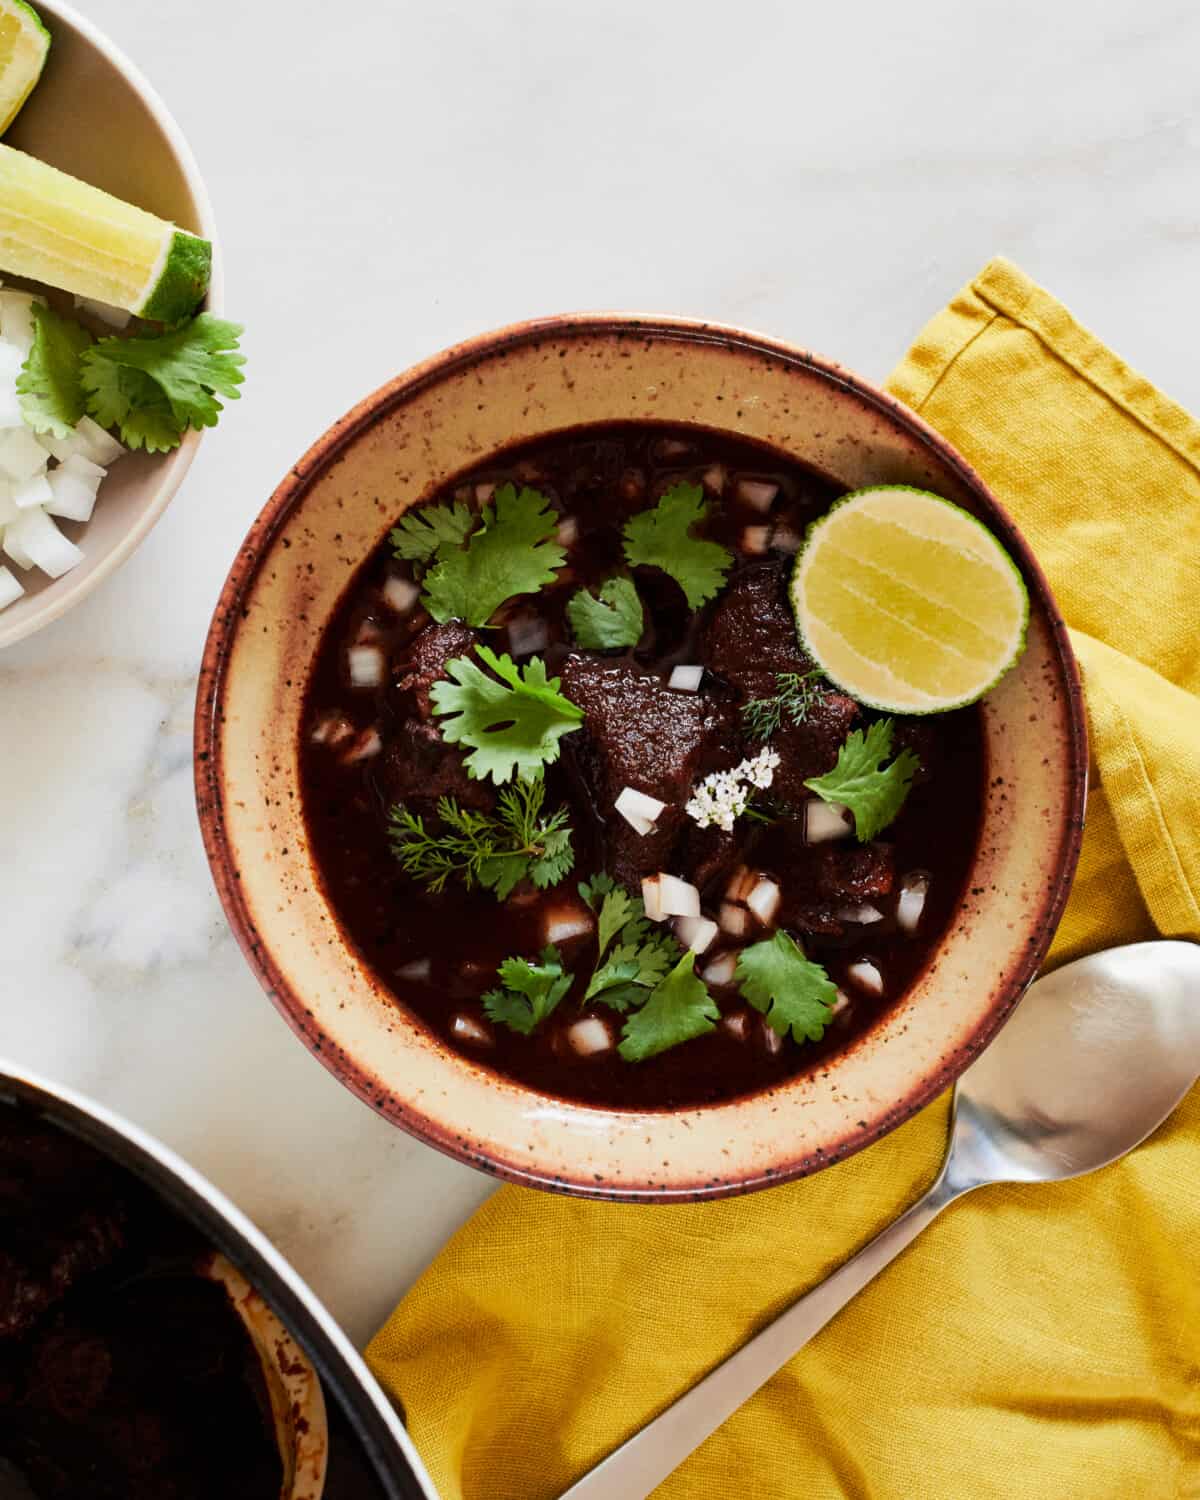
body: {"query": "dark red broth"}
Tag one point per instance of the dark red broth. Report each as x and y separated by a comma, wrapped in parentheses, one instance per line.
(598, 477)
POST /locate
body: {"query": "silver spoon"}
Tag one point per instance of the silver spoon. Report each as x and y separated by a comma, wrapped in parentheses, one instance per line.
(1095, 1057)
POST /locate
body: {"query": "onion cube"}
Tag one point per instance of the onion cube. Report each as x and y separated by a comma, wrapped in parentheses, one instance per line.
(21, 455)
(824, 821)
(589, 1036)
(568, 531)
(652, 897)
(639, 810)
(757, 493)
(71, 497)
(100, 446)
(464, 1028)
(12, 546)
(695, 933)
(416, 971)
(367, 666)
(764, 900)
(484, 492)
(10, 588)
(8, 509)
(913, 890)
(862, 915)
(400, 594)
(366, 743)
(16, 319)
(566, 921)
(11, 414)
(737, 1024)
(713, 479)
(866, 976)
(720, 970)
(686, 679)
(31, 492)
(37, 535)
(756, 539)
(772, 1041)
(678, 898)
(735, 920)
(527, 634)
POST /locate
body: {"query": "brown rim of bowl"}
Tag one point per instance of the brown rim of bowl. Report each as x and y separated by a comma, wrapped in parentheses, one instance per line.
(208, 767)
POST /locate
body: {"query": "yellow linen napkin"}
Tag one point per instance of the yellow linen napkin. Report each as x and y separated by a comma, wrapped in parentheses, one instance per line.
(1037, 1343)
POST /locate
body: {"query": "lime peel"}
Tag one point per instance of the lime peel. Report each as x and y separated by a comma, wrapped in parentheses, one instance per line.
(24, 47)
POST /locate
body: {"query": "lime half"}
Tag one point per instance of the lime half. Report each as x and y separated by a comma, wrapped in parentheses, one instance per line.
(24, 43)
(908, 602)
(58, 230)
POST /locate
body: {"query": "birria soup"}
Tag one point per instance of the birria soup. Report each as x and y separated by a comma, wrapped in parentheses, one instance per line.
(583, 801)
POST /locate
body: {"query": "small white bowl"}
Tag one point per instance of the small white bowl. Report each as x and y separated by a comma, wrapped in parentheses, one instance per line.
(93, 114)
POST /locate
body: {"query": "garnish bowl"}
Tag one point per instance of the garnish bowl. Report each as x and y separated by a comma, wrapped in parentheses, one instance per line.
(402, 444)
(94, 115)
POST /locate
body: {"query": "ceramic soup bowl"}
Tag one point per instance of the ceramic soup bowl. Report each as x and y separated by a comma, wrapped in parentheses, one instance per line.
(401, 445)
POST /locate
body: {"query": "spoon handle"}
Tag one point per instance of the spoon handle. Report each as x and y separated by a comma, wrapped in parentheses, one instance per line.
(641, 1463)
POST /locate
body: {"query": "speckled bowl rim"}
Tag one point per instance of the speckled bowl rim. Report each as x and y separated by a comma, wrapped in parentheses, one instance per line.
(54, 602)
(444, 1135)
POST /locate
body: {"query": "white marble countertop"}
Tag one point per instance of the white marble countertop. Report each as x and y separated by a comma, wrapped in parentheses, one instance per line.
(391, 177)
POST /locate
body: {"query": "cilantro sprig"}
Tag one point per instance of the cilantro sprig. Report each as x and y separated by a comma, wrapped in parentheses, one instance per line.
(513, 725)
(530, 992)
(662, 538)
(793, 993)
(512, 551)
(150, 389)
(495, 850)
(616, 618)
(631, 955)
(873, 792)
(418, 534)
(678, 1009)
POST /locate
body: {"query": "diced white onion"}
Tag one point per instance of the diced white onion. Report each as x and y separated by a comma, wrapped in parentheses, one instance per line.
(8, 511)
(755, 539)
(737, 1024)
(484, 492)
(12, 546)
(686, 679)
(16, 318)
(104, 312)
(784, 539)
(695, 933)
(589, 1036)
(678, 898)
(913, 890)
(562, 922)
(862, 915)
(400, 594)
(652, 897)
(31, 492)
(735, 920)
(640, 811)
(71, 496)
(367, 666)
(367, 743)
(10, 588)
(713, 479)
(416, 971)
(466, 1028)
(11, 360)
(764, 900)
(331, 729)
(720, 970)
(772, 1041)
(824, 821)
(11, 414)
(527, 634)
(100, 446)
(758, 493)
(866, 976)
(842, 1003)
(741, 883)
(568, 531)
(40, 539)
(672, 448)
(21, 455)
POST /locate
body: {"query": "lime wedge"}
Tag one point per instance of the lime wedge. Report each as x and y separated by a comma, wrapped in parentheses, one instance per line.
(907, 602)
(58, 230)
(24, 43)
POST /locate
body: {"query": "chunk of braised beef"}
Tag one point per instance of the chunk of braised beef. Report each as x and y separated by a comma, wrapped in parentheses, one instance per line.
(811, 748)
(418, 766)
(62, 1216)
(638, 732)
(854, 874)
(709, 854)
(424, 663)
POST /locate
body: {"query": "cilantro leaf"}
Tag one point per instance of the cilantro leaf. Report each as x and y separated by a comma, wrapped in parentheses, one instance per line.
(513, 725)
(793, 993)
(48, 386)
(494, 850)
(132, 401)
(420, 533)
(678, 1009)
(661, 538)
(873, 792)
(530, 991)
(191, 365)
(511, 553)
(641, 956)
(614, 619)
